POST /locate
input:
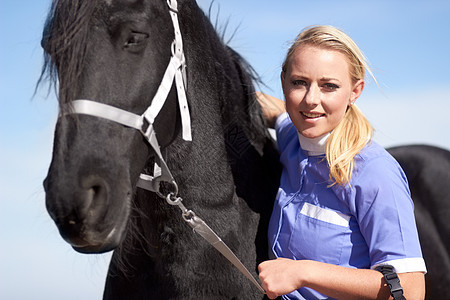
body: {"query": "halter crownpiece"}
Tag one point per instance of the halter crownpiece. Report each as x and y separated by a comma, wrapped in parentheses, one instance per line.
(175, 71)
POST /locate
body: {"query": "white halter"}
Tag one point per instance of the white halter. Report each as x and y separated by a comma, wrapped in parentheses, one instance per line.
(176, 70)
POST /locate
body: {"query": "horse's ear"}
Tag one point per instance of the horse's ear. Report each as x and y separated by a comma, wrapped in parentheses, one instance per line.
(254, 127)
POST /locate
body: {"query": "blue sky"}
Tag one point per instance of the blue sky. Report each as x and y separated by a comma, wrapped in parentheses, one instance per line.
(407, 45)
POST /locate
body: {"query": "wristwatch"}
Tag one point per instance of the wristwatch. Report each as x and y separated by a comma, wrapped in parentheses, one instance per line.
(392, 281)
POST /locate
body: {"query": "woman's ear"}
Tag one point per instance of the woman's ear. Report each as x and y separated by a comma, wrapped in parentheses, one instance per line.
(358, 87)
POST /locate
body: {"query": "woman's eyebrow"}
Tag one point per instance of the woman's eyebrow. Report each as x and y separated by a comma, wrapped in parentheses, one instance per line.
(329, 79)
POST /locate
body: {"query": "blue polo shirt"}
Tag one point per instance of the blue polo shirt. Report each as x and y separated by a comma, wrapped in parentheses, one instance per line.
(362, 225)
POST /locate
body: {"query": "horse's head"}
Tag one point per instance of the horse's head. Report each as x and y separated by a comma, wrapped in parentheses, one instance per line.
(115, 53)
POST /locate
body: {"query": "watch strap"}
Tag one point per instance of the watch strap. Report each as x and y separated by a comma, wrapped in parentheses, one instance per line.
(392, 281)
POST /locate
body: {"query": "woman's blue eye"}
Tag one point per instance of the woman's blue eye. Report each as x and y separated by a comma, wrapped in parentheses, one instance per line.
(298, 82)
(331, 86)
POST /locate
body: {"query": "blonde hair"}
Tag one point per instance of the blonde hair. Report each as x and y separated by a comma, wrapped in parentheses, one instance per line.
(354, 131)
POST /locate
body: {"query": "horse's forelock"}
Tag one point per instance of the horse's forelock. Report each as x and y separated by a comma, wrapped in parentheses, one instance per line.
(64, 42)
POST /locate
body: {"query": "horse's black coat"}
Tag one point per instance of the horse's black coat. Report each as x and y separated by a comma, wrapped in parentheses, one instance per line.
(115, 52)
(428, 172)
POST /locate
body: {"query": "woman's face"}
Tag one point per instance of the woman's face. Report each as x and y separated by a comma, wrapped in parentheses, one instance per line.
(318, 89)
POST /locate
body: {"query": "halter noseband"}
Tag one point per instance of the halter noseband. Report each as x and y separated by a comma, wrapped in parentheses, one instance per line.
(176, 70)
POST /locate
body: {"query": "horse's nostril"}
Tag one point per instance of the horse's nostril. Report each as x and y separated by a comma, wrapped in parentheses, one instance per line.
(96, 192)
(96, 189)
(97, 198)
(99, 194)
(95, 186)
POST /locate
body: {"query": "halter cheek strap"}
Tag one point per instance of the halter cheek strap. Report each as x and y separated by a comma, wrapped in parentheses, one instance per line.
(96, 109)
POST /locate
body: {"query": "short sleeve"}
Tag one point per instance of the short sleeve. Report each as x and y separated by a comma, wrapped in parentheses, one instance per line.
(385, 214)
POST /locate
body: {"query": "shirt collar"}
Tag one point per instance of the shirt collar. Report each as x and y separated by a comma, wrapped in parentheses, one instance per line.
(314, 146)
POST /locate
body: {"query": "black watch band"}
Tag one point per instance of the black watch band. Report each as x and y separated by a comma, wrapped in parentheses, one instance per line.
(392, 281)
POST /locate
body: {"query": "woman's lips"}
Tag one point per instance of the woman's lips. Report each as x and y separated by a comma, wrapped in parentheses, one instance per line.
(311, 115)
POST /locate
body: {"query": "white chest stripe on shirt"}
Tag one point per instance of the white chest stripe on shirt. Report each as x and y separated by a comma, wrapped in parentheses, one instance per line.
(325, 215)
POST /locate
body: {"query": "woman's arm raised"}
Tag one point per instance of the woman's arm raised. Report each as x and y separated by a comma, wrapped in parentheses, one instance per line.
(272, 107)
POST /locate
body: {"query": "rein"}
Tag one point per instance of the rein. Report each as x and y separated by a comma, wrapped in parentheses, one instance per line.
(176, 70)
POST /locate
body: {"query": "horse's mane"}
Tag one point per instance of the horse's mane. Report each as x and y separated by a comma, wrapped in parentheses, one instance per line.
(250, 116)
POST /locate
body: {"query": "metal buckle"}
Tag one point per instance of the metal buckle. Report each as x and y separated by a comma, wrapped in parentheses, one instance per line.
(173, 5)
(188, 215)
(392, 281)
(170, 195)
(145, 126)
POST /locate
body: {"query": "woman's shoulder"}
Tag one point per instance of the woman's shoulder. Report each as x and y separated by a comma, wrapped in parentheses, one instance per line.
(376, 175)
(285, 130)
(375, 163)
(374, 152)
(282, 121)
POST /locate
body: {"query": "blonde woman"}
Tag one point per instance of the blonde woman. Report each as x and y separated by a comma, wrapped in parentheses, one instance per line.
(343, 208)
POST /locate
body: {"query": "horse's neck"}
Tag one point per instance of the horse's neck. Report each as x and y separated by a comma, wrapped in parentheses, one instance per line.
(202, 166)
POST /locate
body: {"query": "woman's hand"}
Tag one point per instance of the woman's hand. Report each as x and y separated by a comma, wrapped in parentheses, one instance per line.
(280, 276)
(272, 107)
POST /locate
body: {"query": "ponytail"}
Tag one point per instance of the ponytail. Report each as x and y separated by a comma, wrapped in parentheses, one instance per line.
(346, 141)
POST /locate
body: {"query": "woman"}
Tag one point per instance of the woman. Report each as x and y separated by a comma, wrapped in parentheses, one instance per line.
(343, 207)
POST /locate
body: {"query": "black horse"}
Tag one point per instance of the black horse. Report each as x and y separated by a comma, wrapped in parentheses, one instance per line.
(116, 53)
(428, 172)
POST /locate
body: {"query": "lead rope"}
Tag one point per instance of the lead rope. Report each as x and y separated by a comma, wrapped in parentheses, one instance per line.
(144, 123)
(199, 226)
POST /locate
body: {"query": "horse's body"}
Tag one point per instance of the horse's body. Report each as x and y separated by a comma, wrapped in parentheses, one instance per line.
(428, 172)
(115, 52)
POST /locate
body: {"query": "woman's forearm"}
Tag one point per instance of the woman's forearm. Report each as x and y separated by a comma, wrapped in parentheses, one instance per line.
(344, 283)
(282, 276)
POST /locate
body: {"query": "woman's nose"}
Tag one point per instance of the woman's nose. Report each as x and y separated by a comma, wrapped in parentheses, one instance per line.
(312, 97)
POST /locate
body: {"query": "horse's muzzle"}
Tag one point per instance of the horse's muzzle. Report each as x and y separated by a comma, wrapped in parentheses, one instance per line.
(84, 214)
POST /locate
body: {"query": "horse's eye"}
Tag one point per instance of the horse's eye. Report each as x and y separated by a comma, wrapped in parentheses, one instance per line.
(135, 39)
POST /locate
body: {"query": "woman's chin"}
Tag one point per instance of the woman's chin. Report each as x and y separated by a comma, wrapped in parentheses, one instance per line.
(311, 134)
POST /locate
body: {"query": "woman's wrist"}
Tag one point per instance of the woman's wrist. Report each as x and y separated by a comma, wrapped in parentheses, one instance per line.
(306, 272)
(271, 107)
